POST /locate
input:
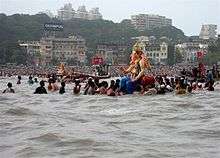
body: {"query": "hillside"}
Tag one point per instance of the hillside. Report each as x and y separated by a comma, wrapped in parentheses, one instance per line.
(30, 27)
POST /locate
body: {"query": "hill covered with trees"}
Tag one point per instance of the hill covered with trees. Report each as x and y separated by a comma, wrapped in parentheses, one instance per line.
(31, 27)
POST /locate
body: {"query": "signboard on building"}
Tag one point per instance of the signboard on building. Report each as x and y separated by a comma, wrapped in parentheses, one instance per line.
(53, 27)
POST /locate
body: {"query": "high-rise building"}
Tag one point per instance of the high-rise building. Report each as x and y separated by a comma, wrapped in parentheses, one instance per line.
(149, 21)
(82, 13)
(208, 31)
(94, 14)
(139, 22)
(67, 13)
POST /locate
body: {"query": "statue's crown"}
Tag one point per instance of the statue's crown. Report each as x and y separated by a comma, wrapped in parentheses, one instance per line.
(137, 47)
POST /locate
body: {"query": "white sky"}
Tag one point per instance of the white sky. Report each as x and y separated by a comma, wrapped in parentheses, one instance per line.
(187, 15)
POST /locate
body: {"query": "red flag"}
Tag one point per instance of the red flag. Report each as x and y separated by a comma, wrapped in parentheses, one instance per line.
(200, 55)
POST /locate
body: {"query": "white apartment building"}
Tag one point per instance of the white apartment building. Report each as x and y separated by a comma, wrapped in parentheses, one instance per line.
(94, 14)
(208, 31)
(149, 21)
(68, 13)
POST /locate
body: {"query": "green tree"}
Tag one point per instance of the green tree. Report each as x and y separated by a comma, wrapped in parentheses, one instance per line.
(178, 56)
(213, 55)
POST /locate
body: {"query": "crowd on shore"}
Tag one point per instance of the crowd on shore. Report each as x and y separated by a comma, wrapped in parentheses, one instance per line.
(115, 71)
(159, 80)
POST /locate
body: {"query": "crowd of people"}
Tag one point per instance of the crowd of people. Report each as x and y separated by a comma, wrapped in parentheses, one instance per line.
(157, 81)
(7, 71)
(138, 77)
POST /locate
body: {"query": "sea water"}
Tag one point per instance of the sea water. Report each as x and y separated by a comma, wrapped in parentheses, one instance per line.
(129, 126)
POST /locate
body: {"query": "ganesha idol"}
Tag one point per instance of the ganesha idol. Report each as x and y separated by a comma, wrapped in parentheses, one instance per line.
(61, 70)
(135, 80)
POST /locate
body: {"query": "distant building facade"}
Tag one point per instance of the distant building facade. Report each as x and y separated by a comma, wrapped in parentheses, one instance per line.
(33, 49)
(189, 50)
(208, 31)
(112, 53)
(68, 13)
(156, 51)
(60, 49)
(149, 21)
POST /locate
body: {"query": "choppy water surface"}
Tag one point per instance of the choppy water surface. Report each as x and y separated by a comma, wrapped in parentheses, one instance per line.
(56, 125)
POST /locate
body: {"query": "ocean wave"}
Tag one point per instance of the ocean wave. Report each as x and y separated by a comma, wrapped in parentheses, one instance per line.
(19, 111)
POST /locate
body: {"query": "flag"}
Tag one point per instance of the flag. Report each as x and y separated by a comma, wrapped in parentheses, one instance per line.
(200, 55)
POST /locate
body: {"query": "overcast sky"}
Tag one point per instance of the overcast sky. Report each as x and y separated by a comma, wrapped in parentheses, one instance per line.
(187, 15)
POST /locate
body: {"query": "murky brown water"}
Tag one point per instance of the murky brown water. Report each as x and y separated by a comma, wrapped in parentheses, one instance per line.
(56, 125)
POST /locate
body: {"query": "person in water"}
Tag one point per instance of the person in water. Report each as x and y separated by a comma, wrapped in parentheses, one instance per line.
(103, 88)
(62, 88)
(30, 81)
(52, 86)
(50, 81)
(76, 89)
(9, 89)
(136, 70)
(19, 80)
(90, 87)
(35, 80)
(110, 90)
(41, 89)
(211, 85)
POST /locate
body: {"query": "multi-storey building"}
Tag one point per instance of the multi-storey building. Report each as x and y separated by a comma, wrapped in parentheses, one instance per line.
(139, 22)
(33, 49)
(68, 13)
(94, 14)
(112, 53)
(189, 50)
(208, 31)
(82, 13)
(59, 49)
(149, 21)
(156, 51)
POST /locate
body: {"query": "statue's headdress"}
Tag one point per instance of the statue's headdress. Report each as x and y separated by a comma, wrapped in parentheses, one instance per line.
(137, 47)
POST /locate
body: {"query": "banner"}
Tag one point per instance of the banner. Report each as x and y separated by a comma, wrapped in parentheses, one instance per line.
(97, 61)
